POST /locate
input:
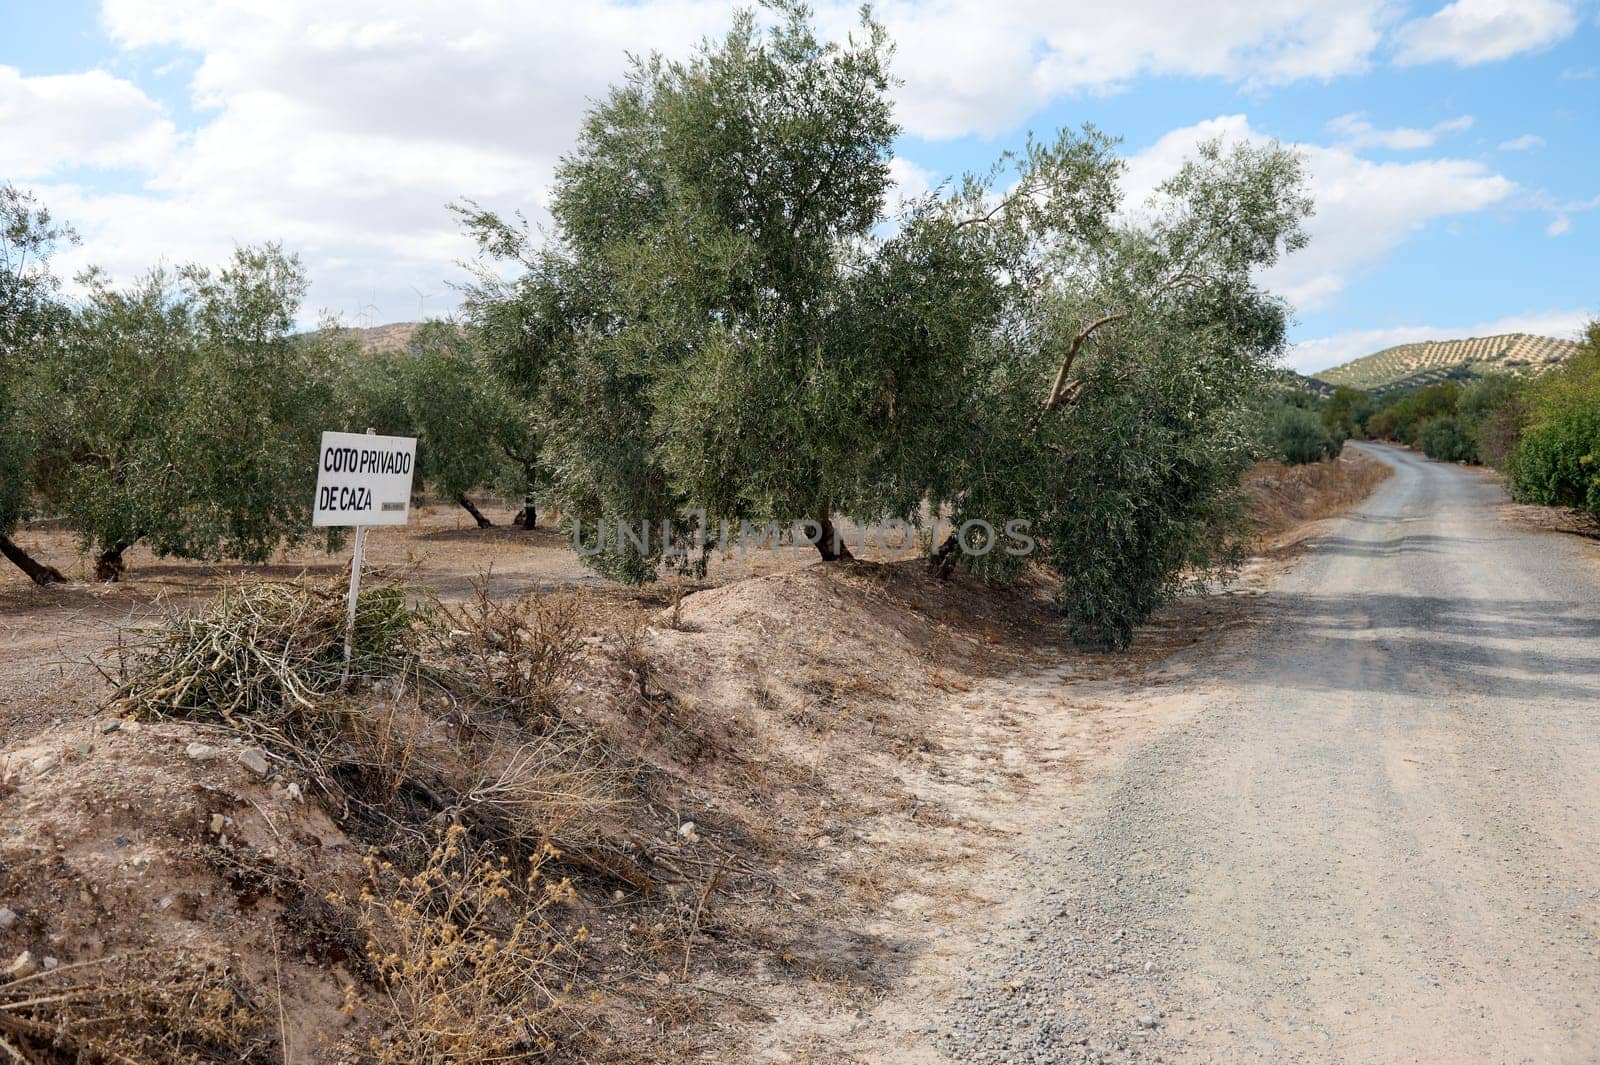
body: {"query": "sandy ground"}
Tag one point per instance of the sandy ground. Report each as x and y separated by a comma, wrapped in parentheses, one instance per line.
(1363, 828)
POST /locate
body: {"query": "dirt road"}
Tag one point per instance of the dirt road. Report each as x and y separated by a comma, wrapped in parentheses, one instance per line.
(1374, 837)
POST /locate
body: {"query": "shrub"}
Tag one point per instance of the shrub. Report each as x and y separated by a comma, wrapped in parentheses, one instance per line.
(1294, 435)
(1347, 411)
(523, 651)
(1557, 462)
(1447, 439)
(1384, 425)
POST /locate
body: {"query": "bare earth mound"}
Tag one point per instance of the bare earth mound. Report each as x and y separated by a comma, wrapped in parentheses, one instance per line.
(156, 838)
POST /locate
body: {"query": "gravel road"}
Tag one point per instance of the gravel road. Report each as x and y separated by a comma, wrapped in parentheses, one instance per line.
(1376, 839)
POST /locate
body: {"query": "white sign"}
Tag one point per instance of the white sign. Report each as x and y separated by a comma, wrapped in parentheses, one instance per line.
(364, 479)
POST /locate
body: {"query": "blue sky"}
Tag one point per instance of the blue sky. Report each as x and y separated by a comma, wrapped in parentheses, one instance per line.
(1451, 146)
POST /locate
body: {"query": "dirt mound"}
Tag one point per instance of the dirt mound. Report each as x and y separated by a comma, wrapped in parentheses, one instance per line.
(885, 617)
(161, 838)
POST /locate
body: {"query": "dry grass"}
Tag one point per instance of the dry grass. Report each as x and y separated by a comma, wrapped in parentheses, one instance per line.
(129, 1009)
(470, 967)
(1285, 497)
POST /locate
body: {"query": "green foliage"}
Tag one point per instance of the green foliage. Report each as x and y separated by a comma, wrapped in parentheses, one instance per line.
(1448, 438)
(472, 432)
(729, 321)
(372, 386)
(1403, 416)
(1294, 435)
(1557, 461)
(32, 317)
(686, 324)
(1347, 410)
(181, 411)
(1476, 422)
(1491, 412)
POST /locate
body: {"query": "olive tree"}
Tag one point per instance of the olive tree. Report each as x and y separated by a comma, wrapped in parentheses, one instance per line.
(683, 324)
(472, 432)
(32, 316)
(183, 412)
(1140, 349)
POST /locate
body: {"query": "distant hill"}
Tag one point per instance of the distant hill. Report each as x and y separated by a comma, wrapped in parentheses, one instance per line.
(1289, 381)
(392, 337)
(1429, 361)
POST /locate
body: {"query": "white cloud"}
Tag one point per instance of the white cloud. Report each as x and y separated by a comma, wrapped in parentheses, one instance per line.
(983, 66)
(89, 119)
(1309, 356)
(1469, 32)
(908, 181)
(343, 127)
(1364, 209)
(1526, 142)
(1560, 210)
(1354, 130)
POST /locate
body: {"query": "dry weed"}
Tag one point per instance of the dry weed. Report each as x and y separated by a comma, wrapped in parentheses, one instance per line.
(675, 613)
(632, 656)
(550, 788)
(131, 1009)
(521, 653)
(470, 967)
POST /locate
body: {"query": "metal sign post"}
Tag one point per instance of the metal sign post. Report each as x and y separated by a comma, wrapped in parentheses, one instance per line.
(362, 481)
(355, 592)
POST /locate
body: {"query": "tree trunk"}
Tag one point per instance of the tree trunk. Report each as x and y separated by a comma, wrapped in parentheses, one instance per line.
(830, 545)
(37, 572)
(109, 566)
(943, 561)
(529, 516)
(477, 515)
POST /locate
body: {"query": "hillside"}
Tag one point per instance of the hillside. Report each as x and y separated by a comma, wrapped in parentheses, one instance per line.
(1290, 381)
(1430, 360)
(392, 337)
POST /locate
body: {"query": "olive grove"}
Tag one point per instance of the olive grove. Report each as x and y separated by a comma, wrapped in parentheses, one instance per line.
(735, 320)
(729, 320)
